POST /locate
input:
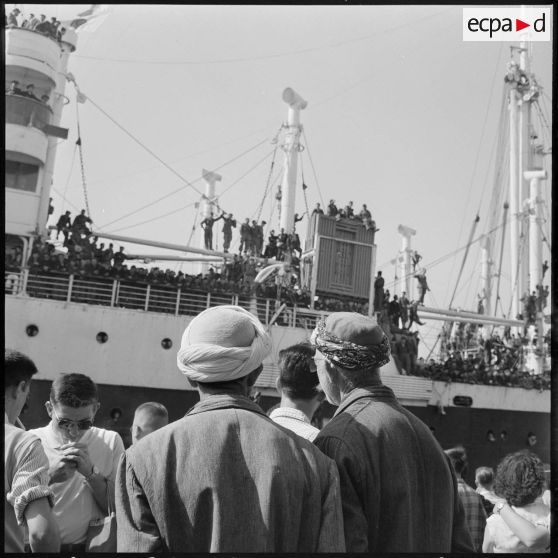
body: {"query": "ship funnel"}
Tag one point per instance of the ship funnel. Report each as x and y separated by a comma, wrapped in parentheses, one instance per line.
(292, 98)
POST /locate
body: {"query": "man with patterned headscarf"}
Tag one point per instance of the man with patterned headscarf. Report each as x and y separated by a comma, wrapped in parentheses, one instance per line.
(226, 478)
(398, 489)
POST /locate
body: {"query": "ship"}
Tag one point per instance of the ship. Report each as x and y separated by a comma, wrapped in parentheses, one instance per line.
(125, 335)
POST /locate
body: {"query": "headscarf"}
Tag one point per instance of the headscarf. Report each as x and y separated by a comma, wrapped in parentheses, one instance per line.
(348, 355)
(212, 362)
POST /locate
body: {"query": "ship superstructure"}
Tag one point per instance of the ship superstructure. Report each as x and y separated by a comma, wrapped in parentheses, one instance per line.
(32, 127)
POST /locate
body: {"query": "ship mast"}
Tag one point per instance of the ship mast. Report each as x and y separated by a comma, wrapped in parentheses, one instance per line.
(514, 199)
(521, 98)
(526, 172)
(291, 147)
(208, 204)
(404, 259)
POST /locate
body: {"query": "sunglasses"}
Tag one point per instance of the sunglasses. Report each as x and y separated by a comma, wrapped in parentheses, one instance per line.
(67, 424)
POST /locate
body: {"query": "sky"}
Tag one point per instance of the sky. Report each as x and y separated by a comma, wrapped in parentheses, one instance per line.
(402, 115)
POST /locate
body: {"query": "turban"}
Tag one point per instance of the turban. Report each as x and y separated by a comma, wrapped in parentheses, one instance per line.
(222, 343)
(351, 341)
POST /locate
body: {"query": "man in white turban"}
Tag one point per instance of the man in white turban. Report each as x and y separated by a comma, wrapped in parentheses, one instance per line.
(226, 478)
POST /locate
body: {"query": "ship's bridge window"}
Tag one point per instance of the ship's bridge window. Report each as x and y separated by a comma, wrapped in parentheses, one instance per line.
(21, 176)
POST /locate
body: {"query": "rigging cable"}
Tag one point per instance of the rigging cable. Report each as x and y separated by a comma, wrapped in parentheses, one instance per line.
(65, 199)
(167, 166)
(475, 223)
(266, 156)
(304, 188)
(198, 205)
(542, 116)
(312, 165)
(451, 254)
(274, 141)
(78, 143)
(69, 175)
(433, 346)
(475, 164)
(506, 207)
(413, 22)
(152, 219)
(180, 189)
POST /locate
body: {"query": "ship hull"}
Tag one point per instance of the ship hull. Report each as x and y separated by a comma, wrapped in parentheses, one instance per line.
(134, 365)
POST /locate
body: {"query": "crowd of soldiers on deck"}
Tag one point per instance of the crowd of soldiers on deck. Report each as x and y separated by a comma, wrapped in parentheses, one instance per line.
(348, 212)
(501, 369)
(279, 246)
(534, 303)
(28, 91)
(41, 24)
(398, 311)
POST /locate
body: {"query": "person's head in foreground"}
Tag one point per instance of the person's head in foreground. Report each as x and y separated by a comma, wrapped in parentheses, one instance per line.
(222, 350)
(520, 478)
(73, 404)
(148, 417)
(458, 457)
(18, 371)
(350, 349)
(298, 382)
(484, 477)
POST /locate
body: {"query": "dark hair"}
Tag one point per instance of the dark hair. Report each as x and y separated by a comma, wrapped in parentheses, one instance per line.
(520, 478)
(295, 373)
(17, 368)
(484, 475)
(74, 390)
(154, 409)
(458, 457)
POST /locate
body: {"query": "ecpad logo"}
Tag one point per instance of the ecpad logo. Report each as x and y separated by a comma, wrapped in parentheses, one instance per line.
(506, 24)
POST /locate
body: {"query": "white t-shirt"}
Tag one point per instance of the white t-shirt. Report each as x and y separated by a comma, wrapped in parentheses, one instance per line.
(74, 503)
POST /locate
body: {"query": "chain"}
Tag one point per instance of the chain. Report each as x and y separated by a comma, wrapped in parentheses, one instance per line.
(83, 181)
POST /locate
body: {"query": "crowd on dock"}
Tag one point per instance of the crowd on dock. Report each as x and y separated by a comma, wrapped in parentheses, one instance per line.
(279, 481)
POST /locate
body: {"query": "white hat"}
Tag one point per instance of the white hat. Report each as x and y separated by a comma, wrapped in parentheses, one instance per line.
(222, 343)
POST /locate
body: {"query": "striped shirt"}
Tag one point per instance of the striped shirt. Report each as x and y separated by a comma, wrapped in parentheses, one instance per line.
(25, 480)
(294, 420)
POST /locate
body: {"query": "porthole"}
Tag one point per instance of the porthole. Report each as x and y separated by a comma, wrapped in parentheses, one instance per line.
(166, 343)
(102, 337)
(32, 330)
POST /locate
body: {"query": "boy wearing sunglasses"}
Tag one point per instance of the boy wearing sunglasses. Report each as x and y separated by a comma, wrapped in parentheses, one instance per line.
(82, 458)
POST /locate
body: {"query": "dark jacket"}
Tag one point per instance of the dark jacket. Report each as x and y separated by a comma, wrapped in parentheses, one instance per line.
(226, 478)
(398, 488)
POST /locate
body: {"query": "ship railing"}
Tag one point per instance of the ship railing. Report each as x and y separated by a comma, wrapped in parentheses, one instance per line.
(53, 287)
(130, 295)
(27, 111)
